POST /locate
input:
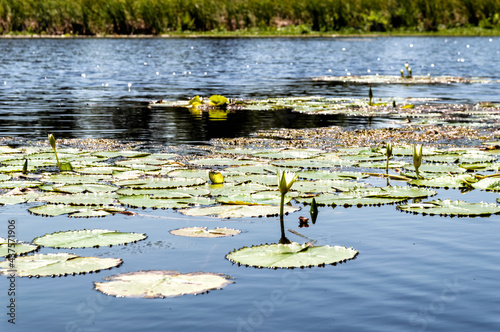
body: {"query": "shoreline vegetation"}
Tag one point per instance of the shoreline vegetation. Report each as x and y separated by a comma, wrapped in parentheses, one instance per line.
(247, 18)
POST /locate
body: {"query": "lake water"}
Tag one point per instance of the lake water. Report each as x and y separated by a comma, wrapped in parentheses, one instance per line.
(413, 272)
(80, 88)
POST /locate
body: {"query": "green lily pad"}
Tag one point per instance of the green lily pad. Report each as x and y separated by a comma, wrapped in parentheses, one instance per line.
(490, 184)
(204, 232)
(19, 184)
(145, 201)
(126, 154)
(81, 199)
(451, 208)
(15, 248)
(321, 186)
(290, 154)
(60, 264)
(87, 238)
(456, 181)
(105, 170)
(291, 255)
(221, 162)
(228, 189)
(53, 210)
(18, 199)
(75, 179)
(328, 175)
(313, 163)
(81, 188)
(351, 199)
(186, 192)
(189, 173)
(5, 177)
(259, 198)
(163, 183)
(238, 211)
(161, 284)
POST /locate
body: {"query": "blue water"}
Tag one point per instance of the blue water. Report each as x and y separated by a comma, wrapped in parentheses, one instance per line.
(80, 88)
(413, 272)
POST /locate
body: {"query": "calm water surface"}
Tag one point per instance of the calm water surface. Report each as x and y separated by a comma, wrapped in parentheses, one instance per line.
(413, 273)
(80, 88)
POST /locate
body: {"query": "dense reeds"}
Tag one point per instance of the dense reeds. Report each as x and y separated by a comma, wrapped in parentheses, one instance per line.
(90, 17)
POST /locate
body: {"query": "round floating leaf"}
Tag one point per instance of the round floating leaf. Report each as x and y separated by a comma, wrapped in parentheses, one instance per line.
(166, 193)
(5, 177)
(19, 184)
(204, 232)
(313, 163)
(327, 175)
(126, 154)
(228, 189)
(320, 186)
(53, 210)
(451, 208)
(491, 184)
(18, 199)
(145, 201)
(221, 162)
(57, 265)
(75, 179)
(87, 238)
(160, 284)
(77, 188)
(238, 211)
(189, 173)
(108, 170)
(81, 199)
(19, 248)
(456, 181)
(290, 255)
(290, 154)
(351, 199)
(259, 198)
(163, 183)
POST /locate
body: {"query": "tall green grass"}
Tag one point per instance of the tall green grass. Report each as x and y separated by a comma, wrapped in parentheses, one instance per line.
(90, 17)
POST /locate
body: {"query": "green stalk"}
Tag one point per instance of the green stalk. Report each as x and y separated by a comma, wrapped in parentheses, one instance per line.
(282, 205)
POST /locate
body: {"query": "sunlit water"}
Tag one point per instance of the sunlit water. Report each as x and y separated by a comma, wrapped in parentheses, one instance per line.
(413, 273)
(101, 87)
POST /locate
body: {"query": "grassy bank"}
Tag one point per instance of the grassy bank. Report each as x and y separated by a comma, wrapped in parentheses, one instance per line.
(248, 17)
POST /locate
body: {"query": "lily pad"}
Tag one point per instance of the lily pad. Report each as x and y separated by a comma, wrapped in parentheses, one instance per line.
(490, 184)
(145, 201)
(451, 208)
(291, 255)
(43, 265)
(19, 184)
(456, 181)
(87, 238)
(163, 183)
(204, 232)
(5, 177)
(238, 211)
(15, 248)
(161, 284)
(81, 199)
(80, 188)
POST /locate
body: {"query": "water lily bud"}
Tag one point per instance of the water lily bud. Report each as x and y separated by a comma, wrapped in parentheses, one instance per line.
(215, 177)
(52, 141)
(286, 180)
(402, 73)
(388, 150)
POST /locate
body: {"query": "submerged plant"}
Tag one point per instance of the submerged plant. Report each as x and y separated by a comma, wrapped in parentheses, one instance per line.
(417, 158)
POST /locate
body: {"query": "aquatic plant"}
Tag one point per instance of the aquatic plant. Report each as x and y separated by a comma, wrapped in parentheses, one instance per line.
(313, 210)
(216, 177)
(417, 158)
(285, 182)
(370, 95)
(63, 166)
(388, 154)
(408, 71)
(218, 101)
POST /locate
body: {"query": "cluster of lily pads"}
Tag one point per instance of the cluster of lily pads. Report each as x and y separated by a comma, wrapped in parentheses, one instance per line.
(231, 183)
(418, 110)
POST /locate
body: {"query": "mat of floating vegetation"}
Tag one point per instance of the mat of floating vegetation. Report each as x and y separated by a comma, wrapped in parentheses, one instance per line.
(87, 238)
(238, 211)
(389, 79)
(290, 255)
(451, 208)
(10, 247)
(161, 284)
(61, 264)
(204, 232)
